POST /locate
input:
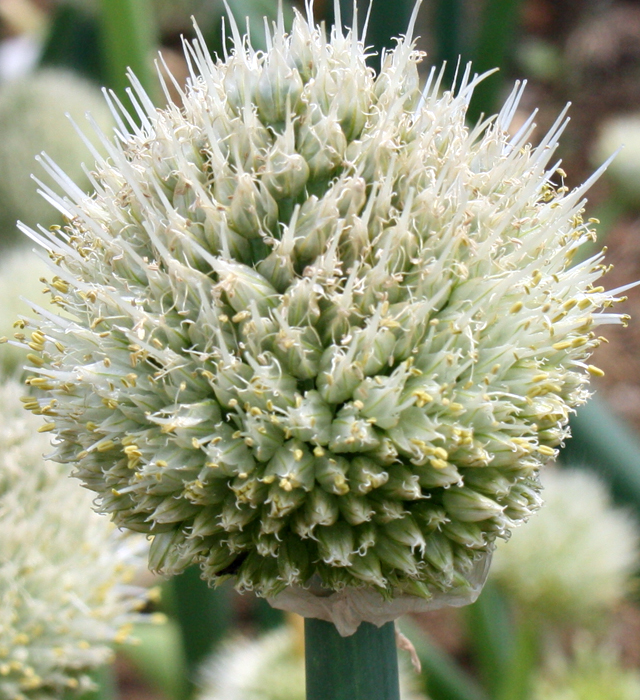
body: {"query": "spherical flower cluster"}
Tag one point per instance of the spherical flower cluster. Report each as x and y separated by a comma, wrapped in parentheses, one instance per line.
(320, 326)
(270, 668)
(575, 559)
(65, 591)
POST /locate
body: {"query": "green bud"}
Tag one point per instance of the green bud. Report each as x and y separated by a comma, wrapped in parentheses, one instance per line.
(323, 145)
(338, 376)
(250, 490)
(430, 477)
(161, 546)
(320, 508)
(252, 208)
(174, 510)
(285, 174)
(278, 91)
(240, 83)
(242, 285)
(294, 562)
(278, 268)
(219, 559)
(331, 473)
(228, 380)
(438, 552)
(236, 516)
(365, 475)
(405, 531)
(396, 555)
(387, 509)
(301, 303)
(336, 544)
(284, 502)
(291, 467)
(403, 484)
(355, 509)
(300, 350)
(227, 454)
(206, 523)
(469, 506)
(366, 567)
(310, 419)
(467, 534)
(489, 481)
(351, 433)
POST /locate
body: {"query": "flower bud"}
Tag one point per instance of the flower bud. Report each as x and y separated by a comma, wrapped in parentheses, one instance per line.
(469, 506)
(278, 91)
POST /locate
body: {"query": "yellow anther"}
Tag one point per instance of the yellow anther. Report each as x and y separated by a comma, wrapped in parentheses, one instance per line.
(438, 463)
(285, 484)
(35, 360)
(595, 371)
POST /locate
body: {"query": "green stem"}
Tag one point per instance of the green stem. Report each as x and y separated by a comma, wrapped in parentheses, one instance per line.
(495, 40)
(451, 38)
(363, 666)
(129, 39)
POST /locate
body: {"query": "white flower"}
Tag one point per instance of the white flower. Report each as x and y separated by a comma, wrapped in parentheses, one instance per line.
(575, 558)
(319, 325)
(65, 572)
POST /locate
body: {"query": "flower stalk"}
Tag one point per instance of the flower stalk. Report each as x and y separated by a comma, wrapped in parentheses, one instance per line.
(363, 666)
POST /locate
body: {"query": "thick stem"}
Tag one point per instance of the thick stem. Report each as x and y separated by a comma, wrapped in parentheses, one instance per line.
(363, 666)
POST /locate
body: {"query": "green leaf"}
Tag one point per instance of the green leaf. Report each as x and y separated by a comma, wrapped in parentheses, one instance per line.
(159, 657)
(129, 40)
(603, 443)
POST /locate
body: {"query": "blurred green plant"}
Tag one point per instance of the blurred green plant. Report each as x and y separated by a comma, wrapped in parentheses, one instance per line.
(32, 120)
(592, 673)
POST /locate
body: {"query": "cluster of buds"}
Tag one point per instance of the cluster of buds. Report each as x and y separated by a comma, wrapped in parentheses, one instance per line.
(315, 325)
(65, 572)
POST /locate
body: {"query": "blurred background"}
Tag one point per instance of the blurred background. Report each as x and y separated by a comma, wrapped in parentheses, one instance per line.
(560, 616)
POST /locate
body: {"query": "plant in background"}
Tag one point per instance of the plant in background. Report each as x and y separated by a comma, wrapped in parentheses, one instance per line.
(623, 174)
(593, 674)
(575, 559)
(32, 118)
(319, 327)
(65, 572)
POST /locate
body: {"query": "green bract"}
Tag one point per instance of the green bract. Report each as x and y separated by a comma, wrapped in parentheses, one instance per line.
(319, 325)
